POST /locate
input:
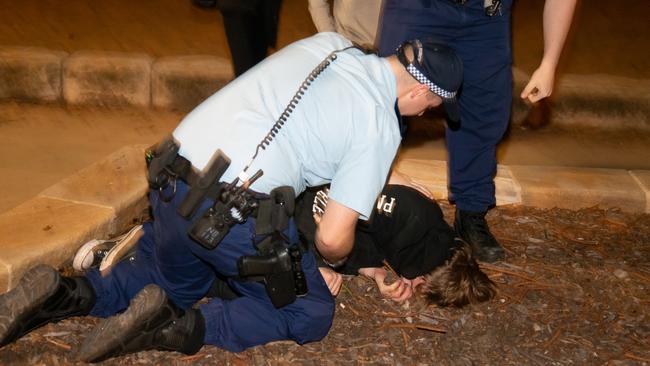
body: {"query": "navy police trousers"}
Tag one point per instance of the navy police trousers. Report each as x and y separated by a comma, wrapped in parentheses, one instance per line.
(483, 44)
(167, 257)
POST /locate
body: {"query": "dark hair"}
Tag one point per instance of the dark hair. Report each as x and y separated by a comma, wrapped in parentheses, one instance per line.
(459, 281)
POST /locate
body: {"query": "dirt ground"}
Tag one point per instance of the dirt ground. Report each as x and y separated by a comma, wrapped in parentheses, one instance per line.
(572, 290)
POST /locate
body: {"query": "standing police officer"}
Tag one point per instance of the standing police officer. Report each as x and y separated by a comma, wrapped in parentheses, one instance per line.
(479, 32)
(340, 127)
(251, 28)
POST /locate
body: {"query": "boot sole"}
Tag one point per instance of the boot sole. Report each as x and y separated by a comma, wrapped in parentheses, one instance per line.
(111, 336)
(31, 293)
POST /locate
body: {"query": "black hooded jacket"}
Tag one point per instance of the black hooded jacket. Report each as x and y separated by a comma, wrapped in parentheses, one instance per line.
(406, 229)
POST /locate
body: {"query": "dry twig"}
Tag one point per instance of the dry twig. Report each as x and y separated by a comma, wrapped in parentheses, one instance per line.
(416, 326)
(632, 356)
(192, 357)
(556, 334)
(640, 276)
(566, 236)
(404, 338)
(494, 268)
(66, 347)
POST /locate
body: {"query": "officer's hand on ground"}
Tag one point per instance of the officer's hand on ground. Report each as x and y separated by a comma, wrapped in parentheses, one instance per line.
(404, 180)
(333, 280)
(540, 85)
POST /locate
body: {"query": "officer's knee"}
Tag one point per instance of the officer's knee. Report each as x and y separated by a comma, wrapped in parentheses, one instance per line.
(313, 323)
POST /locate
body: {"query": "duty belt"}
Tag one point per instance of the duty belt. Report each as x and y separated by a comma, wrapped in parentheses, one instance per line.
(179, 168)
(166, 166)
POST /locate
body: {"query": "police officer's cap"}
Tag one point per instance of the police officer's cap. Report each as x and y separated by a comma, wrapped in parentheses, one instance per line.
(437, 66)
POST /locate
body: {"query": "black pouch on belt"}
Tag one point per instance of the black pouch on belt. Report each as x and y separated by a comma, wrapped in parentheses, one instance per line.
(157, 162)
(273, 214)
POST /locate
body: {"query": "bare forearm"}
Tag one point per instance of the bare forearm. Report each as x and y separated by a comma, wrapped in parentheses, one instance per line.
(333, 249)
(335, 231)
(557, 21)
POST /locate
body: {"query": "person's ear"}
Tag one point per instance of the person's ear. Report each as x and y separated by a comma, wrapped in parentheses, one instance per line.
(418, 90)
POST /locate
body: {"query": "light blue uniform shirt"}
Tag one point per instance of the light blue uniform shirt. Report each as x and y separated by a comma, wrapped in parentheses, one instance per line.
(344, 130)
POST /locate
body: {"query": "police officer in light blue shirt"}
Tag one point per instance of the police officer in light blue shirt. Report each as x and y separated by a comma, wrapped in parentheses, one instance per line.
(342, 126)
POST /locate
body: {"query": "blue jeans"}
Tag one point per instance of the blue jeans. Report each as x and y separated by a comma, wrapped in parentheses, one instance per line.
(167, 257)
(485, 98)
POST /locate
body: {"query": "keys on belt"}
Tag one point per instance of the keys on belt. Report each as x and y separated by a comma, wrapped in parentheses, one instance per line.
(492, 7)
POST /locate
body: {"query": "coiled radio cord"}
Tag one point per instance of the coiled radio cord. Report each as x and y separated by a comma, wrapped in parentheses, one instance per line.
(289, 109)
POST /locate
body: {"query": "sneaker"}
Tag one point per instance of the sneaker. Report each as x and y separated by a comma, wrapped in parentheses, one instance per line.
(151, 321)
(472, 228)
(42, 296)
(124, 248)
(105, 253)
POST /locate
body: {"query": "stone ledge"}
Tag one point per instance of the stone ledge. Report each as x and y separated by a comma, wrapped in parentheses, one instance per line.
(117, 79)
(547, 187)
(117, 182)
(642, 177)
(107, 78)
(31, 74)
(182, 83)
(430, 173)
(114, 182)
(433, 175)
(575, 188)
(46, 230)
(96, 202)
(507, 189)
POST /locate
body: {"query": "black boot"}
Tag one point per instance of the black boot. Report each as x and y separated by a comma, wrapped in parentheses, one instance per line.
(472, 228)
(42, 296)
(151, 321)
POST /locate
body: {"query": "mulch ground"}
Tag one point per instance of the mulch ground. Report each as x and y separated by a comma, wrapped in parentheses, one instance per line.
(573, 290)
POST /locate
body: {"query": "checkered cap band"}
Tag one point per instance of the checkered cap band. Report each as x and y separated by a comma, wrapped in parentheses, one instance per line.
(433, 87)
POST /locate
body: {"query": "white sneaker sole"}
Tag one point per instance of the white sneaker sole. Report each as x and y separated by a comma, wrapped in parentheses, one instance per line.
(85, 255)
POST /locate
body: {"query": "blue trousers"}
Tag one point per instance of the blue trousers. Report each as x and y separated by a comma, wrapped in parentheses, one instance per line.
(166, 256)
(483, 44)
